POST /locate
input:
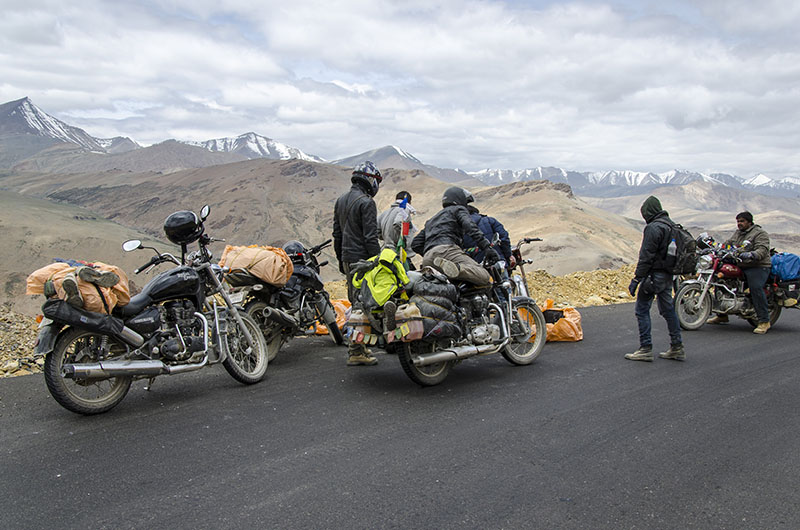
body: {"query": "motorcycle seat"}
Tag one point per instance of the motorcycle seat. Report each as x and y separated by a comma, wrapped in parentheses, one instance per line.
(134, 307)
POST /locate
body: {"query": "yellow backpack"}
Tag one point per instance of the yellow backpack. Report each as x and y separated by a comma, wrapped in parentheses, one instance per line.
(378, 278)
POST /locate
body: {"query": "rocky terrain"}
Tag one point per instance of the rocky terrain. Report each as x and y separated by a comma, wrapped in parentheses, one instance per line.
(577, 289)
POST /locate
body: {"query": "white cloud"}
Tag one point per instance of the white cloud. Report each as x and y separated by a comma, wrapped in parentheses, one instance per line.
(588, 85)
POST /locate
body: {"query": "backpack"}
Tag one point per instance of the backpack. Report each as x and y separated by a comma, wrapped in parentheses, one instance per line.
(378, 278)
(786, 266)
(683, 259)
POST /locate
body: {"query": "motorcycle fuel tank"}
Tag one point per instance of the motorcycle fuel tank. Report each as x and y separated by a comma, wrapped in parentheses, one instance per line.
(179, 282)
(729, 271)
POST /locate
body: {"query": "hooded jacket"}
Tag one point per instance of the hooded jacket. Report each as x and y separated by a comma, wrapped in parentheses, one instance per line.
(355, 226)
(754, 239)
(448, 227)
(657, 235)
(489, 226)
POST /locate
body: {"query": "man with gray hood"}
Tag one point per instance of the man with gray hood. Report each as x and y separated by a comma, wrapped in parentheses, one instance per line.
(654, 280)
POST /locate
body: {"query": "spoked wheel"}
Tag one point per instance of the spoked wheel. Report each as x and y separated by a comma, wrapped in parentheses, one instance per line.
(245, 366)
(85, 396)
(691, 309)
(329, 319)
(428, 375)
(528, 333)
(774, 313)
(271, 331)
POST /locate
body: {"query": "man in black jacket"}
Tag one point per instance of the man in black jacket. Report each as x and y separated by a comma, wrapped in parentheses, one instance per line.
(355, 237)
(654, 280)
(440, 241)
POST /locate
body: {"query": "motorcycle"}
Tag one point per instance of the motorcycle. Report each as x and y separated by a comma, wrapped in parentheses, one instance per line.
(294, 309)
(520, 282)
(721, 287)
(490, 320)
(181, 321)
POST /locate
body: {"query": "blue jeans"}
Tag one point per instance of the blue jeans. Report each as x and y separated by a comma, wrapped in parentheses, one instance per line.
(662, 282)
(756, 279)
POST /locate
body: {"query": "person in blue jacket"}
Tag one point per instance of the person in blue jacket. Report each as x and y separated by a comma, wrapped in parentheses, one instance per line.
(489, 226)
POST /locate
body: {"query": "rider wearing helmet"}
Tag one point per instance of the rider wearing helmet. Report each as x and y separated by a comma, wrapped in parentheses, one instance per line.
(440, 241)
(355, 237)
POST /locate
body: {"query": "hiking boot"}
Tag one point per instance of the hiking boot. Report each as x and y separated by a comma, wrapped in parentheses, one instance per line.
(675, 352)
(98, 277)
(718, 319)
(361, 358)
(761, 328)
(449, 268)
(70, 286)
(645, 353)
(389, 310)
(790, 302)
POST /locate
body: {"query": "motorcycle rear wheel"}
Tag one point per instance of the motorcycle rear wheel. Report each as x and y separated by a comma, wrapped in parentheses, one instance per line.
(92, 396)
(247, 368)
(429, 375)
(774, 314)
(271, 331)
(692, 312)
(528, 333)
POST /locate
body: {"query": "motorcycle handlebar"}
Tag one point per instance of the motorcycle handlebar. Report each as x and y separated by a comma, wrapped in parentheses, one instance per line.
(153, 261)
(319, 247)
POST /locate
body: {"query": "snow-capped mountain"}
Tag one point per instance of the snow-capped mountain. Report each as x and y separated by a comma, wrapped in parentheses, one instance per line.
(391, 156)
(253, 145)
(22, 117)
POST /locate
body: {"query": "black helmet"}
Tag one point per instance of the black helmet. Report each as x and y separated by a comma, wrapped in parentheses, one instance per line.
(457, 196)
(295, 250)
(183, 227)
(368, 176)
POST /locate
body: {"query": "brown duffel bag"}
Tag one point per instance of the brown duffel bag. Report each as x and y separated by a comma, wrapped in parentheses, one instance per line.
(269, 264)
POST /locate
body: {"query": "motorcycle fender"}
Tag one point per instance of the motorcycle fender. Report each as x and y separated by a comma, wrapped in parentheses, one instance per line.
(46, 340)
(690, 282)
(523, 299)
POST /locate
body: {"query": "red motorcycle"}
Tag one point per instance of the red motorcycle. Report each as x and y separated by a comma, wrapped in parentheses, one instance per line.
(721, 288)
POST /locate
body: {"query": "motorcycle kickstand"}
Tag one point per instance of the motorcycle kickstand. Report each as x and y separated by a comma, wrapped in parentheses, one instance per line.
(149, 384)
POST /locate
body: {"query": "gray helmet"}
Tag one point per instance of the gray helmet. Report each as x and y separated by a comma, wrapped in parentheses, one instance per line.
(368, 176)
(456, 196)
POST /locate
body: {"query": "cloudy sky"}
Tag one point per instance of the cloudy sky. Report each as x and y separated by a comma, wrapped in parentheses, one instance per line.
(705, 85)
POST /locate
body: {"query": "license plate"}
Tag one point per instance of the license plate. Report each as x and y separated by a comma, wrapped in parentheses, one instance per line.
(236, 298)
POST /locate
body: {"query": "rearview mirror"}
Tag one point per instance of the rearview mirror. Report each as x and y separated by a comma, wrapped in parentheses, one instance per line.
(204, 211)
(131, 244)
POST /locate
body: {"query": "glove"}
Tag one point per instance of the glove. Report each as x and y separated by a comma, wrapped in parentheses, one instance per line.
(491, 256)
(632, 287)
(747, 256)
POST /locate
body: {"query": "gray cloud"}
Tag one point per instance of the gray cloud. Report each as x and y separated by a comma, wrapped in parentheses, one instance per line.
(707, 85)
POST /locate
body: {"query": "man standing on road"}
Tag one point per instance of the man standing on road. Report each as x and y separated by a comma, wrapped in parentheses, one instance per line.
(756, 264)
(654, 280)
(355, 237)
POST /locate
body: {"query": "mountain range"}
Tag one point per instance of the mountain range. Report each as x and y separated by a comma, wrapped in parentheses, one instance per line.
(26, 131)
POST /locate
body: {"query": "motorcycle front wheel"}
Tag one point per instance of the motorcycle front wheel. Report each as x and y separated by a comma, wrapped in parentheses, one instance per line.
(692, 311)
(272, 331)
(429, 375)
(87, 396)
(246, 367)
(528, 333)
(329, 319)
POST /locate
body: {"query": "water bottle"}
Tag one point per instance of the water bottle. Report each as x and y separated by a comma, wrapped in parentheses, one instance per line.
(672, 248)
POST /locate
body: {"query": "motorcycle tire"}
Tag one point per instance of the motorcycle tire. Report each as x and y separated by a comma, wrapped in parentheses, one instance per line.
(329, 319)
(774, 314)
(429, 375)
(528, 333)
(247, 368)
(692, 312)
(87, 397)
(271, 331)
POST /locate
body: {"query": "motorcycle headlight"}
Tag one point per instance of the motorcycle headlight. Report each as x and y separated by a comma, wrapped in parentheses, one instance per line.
(704, 262)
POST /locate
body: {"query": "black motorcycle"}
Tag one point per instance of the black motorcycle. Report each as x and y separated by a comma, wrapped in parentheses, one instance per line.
(293, 309)
(180, 322)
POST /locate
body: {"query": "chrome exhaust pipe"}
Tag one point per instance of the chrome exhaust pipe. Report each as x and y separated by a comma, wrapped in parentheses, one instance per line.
(108, 369)
(131, 337)
(454, 354)
(280, 317)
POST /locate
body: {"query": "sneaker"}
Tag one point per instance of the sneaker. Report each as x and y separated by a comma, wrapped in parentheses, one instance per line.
(790, 302)
(389, 309)
(70, 286)
(98, 277)
(761, 328)
(449, 268)
(717, 319)
(675, 352)
(645, 353)
(361, 358)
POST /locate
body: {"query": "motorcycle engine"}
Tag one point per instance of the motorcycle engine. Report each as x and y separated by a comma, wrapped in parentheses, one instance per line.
(476, 305)
(484, 334)
(726, 303)
(181, 329)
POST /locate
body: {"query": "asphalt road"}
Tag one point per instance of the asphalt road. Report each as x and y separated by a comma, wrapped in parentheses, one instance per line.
(581, 439)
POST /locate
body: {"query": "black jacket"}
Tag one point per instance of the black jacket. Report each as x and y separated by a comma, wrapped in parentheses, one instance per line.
(355, 226)
(653, 252)
(448, 228)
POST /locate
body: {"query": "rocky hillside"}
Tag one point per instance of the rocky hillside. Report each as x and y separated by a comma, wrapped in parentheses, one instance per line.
(577, 289)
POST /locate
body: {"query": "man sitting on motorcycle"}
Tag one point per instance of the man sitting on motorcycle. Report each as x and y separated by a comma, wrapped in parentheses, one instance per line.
(440, 241)
(756, 265)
